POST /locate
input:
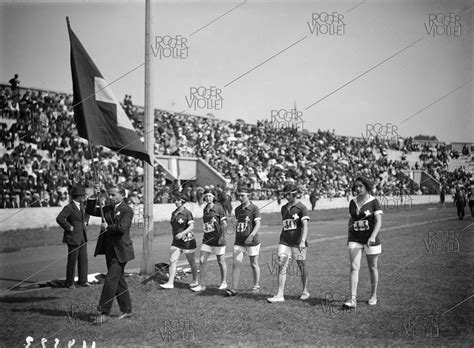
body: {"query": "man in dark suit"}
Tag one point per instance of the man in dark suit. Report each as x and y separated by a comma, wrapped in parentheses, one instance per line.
(114, 242)
(460, 201)
(74, 220)
(313, 198)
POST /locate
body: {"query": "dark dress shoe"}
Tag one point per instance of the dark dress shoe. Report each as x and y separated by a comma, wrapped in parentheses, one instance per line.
(231, 293)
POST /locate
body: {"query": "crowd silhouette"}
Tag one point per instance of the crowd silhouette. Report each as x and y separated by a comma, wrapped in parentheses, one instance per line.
(42, 156)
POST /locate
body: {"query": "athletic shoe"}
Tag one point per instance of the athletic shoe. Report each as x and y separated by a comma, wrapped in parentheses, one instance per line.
(223, 286)
(256, 288)
(275, 299)
(84, 285)
(125, 315)
(304, 296)
(193, 284)
(350, 304)
(198, 288)
(372, 301)
(167, 286)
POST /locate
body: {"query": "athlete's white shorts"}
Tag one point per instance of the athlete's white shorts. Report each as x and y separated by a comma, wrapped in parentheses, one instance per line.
(291, 252)
(217, 250)
(369, 250)
(175, 252)
(250, 250)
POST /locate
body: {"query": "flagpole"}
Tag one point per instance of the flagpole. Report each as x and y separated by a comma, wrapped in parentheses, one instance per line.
(96, 180)
(147, 265)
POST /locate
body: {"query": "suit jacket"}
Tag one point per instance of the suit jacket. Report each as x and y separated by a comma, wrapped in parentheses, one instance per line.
(72, 216)
(460, 199)
(118, 229)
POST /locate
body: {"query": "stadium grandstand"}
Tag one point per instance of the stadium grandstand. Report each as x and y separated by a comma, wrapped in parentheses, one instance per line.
(41, 156)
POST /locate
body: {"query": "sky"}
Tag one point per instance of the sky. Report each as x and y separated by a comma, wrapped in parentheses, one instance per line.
(347, 65)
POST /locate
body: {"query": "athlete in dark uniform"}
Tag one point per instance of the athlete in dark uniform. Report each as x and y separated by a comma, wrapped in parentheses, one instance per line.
(182, 225)
(213, 241)
(246, 241)
(364, 226)
(293, 241)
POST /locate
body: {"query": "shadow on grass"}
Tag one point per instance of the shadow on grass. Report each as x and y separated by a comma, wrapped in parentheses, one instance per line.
(73, 317)
(315, 301)
(331, 306)
(55, 283)
(211, 291)
(261, 296)
(256, 296)
(181, 285)
(26, 299)
(158, 277)
(18, 280)
(52, 312)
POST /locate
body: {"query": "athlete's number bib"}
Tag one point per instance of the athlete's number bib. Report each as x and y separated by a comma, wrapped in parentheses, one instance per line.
(361, 225)
(189, 236)
(289, 224)
(209, 227)
(242, 227)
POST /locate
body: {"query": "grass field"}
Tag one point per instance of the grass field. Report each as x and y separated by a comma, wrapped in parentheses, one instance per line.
(425, 298)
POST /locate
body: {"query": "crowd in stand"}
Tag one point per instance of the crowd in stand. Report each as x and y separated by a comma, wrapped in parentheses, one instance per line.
(41, 156)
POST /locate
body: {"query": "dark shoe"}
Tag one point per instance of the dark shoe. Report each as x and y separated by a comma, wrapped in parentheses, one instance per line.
(125, 315)
(101, 318)
(70, 286)
(230, 293)
(84, 285)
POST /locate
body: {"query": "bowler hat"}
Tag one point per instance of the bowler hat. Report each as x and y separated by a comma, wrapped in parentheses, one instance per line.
(78, 191)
